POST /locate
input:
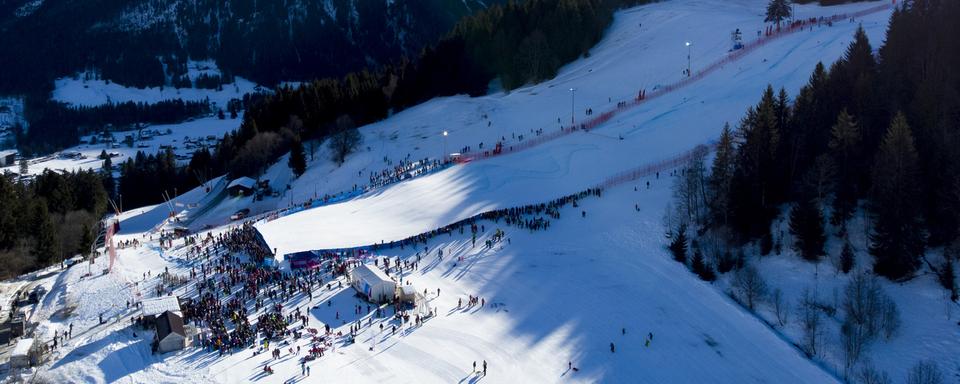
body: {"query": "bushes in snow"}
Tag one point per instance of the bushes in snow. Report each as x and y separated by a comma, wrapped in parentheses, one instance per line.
(869, 314)
(871, 375)
(808, 311)
(925, 372)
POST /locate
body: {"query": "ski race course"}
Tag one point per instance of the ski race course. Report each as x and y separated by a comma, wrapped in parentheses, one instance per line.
(598, 275)
(677, 114)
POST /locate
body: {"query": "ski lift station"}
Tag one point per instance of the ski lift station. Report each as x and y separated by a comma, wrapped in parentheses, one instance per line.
(373, 283)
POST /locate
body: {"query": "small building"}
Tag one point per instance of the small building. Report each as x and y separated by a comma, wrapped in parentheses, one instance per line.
(18, 325)
(180, 231)
(20, 355)
(243, 186)
(304, 260)
(407, 294)
(153, 307)
(171, 334)
(372, 283)
(8, 158)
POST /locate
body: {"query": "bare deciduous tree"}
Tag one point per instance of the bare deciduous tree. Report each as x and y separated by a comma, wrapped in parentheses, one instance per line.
(925, 372)
(779, 307)
(870, 375)
(809, 314)
(749, 286)
(690, 189)
(344, 140)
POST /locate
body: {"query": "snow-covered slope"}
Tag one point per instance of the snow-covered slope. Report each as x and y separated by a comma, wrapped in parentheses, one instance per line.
(554, 296)
(644, 49)
(598, 275)
(77, 91)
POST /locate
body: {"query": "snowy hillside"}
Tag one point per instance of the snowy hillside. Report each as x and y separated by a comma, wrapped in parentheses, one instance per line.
(79, 91)
(592, 297)
(135, 42)
(617, 69)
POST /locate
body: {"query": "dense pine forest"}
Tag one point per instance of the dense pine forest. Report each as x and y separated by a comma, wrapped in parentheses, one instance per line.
(52, 218)
(877, 132)
(517, 43)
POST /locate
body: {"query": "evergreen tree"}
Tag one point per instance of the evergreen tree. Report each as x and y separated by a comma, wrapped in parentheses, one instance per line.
(86, 239)
(8, 221)
(777, 11)
(947, 277)
(807, 134)
(847, 258)
(45, 242)
(55, 189)
(298, 160)
(766, 243)
(678, 244)
(700, 267)
(721, 175)
(859, 58)
(753, 185)
(898, 236)
(844, 152)
(806, 225)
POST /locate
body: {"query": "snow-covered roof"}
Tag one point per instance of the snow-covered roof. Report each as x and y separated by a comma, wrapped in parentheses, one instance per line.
(157, 305)
(408, 290)
(7, 152)
(22, 348)
(244, 182)
(370, 274)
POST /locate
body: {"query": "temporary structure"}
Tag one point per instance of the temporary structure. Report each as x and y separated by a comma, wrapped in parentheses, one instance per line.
(372, 283)
(303, 260)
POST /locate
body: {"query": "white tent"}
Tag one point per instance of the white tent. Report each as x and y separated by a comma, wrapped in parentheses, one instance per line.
(372, 283)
